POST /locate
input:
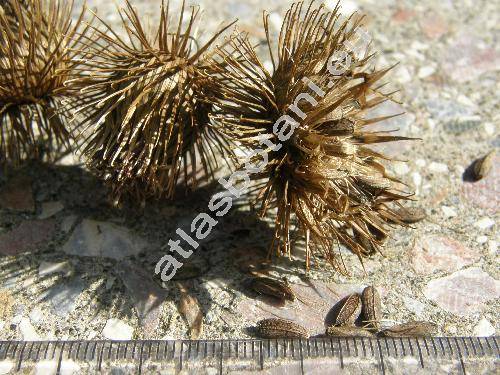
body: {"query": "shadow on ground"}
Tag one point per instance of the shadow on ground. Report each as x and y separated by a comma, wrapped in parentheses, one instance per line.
(239, 238)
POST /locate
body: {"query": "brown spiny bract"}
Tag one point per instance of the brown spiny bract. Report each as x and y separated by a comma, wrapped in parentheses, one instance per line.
(38, 60)
(308, 116)
(149, 122)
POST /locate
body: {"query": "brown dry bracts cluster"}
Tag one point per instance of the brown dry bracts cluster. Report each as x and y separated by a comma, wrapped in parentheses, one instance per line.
(324, 179)
(38, 61)
(157, 110)
(149, 122)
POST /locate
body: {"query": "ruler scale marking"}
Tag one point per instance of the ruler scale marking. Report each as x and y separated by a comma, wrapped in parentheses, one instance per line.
(381, 356)
(458, 349)
(21, 357)
(462, 364)
(340, 353)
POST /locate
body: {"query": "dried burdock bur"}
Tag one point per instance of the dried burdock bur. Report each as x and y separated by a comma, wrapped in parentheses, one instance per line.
(149, 126)
(322, 179)
(190, 309)
(274, 328)
(273, 288)
(411, 215)
(38, 60)
(372, 307)
(482, 166)
(348, 332)
(411, 329)
(345, 312)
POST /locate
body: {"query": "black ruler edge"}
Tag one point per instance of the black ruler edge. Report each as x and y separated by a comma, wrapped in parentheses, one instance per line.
(176, 350)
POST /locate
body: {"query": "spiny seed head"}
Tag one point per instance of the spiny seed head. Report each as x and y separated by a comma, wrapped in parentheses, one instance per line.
(149, 113)
(322, 175)
(37, 58)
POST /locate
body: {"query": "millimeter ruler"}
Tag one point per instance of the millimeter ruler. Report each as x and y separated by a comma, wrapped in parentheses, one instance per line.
(330, 355)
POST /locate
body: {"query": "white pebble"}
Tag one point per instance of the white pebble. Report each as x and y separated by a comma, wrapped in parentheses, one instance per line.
(6, 366)
(438, 167)
(36, 315)
(2, 324)
(92, 335)
(484, 328)
(484, 223)
(426, 71)
(401, 168)
(46, 367)
(403, 75)
(449, 211)
(481, 239)
(116, 329)
(489, 128)
(29, 333)
(417, 178)
(431, 123)
(493, 247)
(49, 209)
(420, 163)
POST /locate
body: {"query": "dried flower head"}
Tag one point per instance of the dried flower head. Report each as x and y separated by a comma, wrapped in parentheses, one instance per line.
(149, 118)
(37, 57)
(322, 179)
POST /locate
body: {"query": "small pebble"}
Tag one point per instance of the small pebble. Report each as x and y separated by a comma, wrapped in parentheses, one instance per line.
(116, 329)
(438, 167)
(401, 168)
(449, 211)
(420, 163)
(426, 71)
(27, 330)
(484, 328)
(484, 223)
(489, 128)
(6, 366)
(49, 209)
(493, 247)
(417, 179)
(481, 239)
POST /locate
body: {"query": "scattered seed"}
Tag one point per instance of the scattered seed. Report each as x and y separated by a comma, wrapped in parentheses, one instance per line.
(372, 307)
(280, 328)
(190, 309)
(273, 288)
(348, 331)
(411, 329)
(482, 166)
(411, 215)
(349, 310)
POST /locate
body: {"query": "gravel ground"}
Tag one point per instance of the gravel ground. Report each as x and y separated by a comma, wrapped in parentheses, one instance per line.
(74, 267)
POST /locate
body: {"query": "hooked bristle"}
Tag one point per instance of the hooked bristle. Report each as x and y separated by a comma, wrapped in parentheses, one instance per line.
(37, 38)
(149, 113)
(324, 178)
